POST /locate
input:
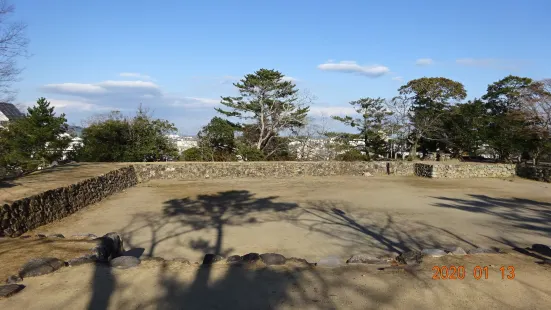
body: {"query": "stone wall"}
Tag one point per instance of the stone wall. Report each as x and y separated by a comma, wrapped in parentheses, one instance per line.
(31, 212)
(538, 173)
(423, 170)
(464, 171)
(201, 170)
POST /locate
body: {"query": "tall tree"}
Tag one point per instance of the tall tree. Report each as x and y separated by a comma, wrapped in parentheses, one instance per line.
(512, 127)
(37, 139)
(268, 104)
(370, 124)
(428, 99)
(13, 45)
(465, 127)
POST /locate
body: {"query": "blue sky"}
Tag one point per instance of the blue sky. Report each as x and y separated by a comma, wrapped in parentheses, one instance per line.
(179, 57)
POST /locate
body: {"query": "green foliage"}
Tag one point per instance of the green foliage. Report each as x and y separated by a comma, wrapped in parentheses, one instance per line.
(507, 94)
(371, 124)
(35, 140)
(268, 104)
(352, 155)
(466, 126)
(217, 139)
(122, 139)
(249, 153)
(192, 154)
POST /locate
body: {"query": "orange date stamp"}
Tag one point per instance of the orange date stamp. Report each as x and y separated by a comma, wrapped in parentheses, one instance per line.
(478, 272)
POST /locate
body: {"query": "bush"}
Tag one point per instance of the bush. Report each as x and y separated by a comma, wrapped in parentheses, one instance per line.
(192, 154)
(352, 155)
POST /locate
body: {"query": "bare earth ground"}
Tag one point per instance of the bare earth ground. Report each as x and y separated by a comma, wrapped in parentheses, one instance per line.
(50, 178)
(155, 285)
(311, 218)
(316, 217)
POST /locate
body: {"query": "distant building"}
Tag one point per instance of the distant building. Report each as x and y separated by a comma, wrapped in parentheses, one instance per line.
(183, 143)
(8, 113)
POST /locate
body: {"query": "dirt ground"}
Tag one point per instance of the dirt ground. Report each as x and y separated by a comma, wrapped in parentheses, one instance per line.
(50, 178)
(314, 217)
(16, 252)
(157, 285)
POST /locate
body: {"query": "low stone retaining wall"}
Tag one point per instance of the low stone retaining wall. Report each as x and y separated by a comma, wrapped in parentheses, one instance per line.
(34, 211)
(464, 171)
(538, 173)
(215, 170)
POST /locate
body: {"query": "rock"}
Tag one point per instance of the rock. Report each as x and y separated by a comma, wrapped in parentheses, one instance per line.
(14, 279)
(367, 174)
(88, 259)
(410, 257)
(84, 236)
(330, 261)
(40, 266)
(457, 251)
(364, 259)
(433, 252)
(482, 251)
(273, 259)
(541, 249)
(40, 235)
(234, 259)
(10, 289)
(211, 259)
(109, 246)
(251, 258)
(300, 261)
(124, 262)
(56, 236)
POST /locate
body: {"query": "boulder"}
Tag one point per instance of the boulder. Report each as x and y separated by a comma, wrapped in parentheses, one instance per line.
(211, 259)
(124, 262)
(410, 257)
(273, 259)
(234, 259)
(482, 251)
(14, 279)
(251, 258)
(367, 174)
(10, 289)
(108, 247)
(56, 236)
(364, 259)
(433, 252)
(457, 251)
(40, 266)
(300, 261)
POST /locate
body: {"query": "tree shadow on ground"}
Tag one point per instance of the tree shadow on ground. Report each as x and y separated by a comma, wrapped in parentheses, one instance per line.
(371, 232)
(530, 215)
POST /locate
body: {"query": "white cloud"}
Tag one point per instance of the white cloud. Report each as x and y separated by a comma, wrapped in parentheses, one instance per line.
(424, 62)
(354, 67)
(73, 105)
(289, 79)
(135, 75)
(331, 110)
(103, 88)
(195, 102)
(74, 88)
(489, 63)
(398, 78)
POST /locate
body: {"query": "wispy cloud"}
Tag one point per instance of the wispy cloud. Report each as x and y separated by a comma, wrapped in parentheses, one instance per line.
(135, 75)
(101, 88)
(398, 78)
(494, 63)
(424, 62)
(195, 102)
(354, 67)
(74, 105)
(290, 79)
(331, 110)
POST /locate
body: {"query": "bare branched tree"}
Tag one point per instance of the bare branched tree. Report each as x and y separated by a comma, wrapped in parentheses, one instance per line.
(13, 45)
